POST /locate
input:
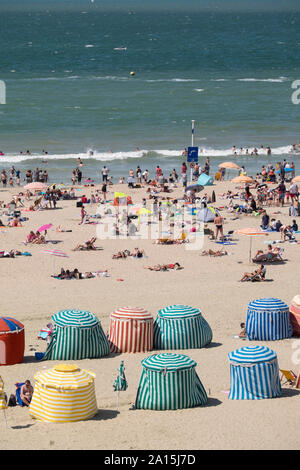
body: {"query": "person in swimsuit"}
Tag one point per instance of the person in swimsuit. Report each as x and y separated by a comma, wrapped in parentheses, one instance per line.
(26, 393)
(218, 221)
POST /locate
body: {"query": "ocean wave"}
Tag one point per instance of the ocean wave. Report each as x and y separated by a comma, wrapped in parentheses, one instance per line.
(140, 154)
(271, 80)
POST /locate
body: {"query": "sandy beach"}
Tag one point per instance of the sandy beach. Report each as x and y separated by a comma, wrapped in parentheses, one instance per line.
(32, 296)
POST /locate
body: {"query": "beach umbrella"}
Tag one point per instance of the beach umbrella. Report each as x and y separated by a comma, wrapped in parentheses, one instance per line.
(3, 403)
(55, 252)
(36, 186)
(43, 228)
(229, 165)
(250, 232)
(296, 179)
(242, 179)
(195, 187)
(120, 384)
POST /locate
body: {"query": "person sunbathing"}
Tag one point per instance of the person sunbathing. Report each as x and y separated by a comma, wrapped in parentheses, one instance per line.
(259, 275)
(163, 267)
(15, 223)
(89, 245)
(61, 230)
(39, 239)
(214, 253)
(271, 255)
(138, 253)
(121, 254)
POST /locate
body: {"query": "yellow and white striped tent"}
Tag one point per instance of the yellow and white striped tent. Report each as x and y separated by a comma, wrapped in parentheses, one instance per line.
(64, 394)
(3, 403)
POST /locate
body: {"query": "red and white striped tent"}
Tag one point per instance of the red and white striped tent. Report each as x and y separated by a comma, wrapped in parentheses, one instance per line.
(295, 315)
(131, 330)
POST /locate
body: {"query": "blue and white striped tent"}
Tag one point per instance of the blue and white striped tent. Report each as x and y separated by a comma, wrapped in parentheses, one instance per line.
(268, 320)
(169, 382)
(76, 335)
(180, 327)
(254, 374)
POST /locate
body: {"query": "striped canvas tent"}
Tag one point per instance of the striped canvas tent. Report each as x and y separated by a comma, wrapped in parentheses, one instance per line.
(12, 341)
(295, 315)
(64, 394)
(131, 330)
(3, 403)
(181, 327)
(254, 374)
(268, 320)
(169, 382)
(76, 335)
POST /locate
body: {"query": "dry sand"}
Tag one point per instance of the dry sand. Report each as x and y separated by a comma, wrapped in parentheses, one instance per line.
(29, 294)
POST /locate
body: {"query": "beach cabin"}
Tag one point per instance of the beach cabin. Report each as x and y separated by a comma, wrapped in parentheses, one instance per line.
(268, 320)
(295, 315)
(63, 394)
(169, 382)
(131, 330)
(76, 334)
(180, 327)
(12, 341)
(254, 374)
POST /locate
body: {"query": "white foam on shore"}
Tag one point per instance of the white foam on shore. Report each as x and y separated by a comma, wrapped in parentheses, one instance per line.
(126, 155)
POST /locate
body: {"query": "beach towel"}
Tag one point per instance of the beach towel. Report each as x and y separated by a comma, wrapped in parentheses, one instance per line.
(18, 393)
(226, 243)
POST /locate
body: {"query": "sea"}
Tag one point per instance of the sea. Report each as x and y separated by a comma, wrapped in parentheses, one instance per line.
(121, 87)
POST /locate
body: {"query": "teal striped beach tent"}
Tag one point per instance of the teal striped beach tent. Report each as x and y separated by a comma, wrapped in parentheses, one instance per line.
(169, 381)
(76, 335)
(254, 374)
(181, 327)
(268, 320)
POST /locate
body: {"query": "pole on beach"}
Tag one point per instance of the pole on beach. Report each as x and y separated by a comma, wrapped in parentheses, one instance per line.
(193, 133)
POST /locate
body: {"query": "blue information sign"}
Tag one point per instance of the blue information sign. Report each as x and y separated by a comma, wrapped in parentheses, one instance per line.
(192, 154)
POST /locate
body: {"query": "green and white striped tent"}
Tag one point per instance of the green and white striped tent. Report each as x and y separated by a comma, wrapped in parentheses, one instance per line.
(169, 381)
(76, 335)
(181, 327)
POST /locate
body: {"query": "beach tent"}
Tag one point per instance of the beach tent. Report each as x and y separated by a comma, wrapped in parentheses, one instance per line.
(254, 374)
(295, 315)
(169, 382)
(122, 199)
(207, 214)
(181, 327)
(12, 341)
(268, 320)
(76, 335)
(205, 180)
(64, 394)
(131, 330)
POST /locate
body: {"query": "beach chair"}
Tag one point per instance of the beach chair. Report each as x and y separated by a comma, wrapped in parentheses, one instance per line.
(289, 376)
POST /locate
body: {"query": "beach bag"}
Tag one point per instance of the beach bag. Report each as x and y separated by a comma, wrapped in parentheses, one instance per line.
(12, 400)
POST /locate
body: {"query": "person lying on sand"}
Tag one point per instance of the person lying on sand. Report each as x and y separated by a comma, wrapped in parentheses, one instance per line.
(15, 223)
(121, 254)
(61, 230)
(214, 253)
(163, 267)
(39, 239)
(89, 245)
(137, 253)
(259, 275)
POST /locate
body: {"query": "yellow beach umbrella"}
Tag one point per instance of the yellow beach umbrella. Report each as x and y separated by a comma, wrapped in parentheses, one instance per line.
(250, 232)
(64, 394)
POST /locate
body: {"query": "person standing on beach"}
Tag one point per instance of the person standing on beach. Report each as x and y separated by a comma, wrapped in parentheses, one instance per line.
(104, 172)
(79, 175)
(218, 221)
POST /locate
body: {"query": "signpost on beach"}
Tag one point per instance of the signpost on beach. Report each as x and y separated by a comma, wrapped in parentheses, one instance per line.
(192, 154)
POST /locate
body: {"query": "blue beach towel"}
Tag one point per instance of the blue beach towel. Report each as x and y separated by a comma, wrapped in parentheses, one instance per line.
(18, 393)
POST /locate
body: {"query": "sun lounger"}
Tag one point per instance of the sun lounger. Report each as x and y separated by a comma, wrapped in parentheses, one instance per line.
(289, 376)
